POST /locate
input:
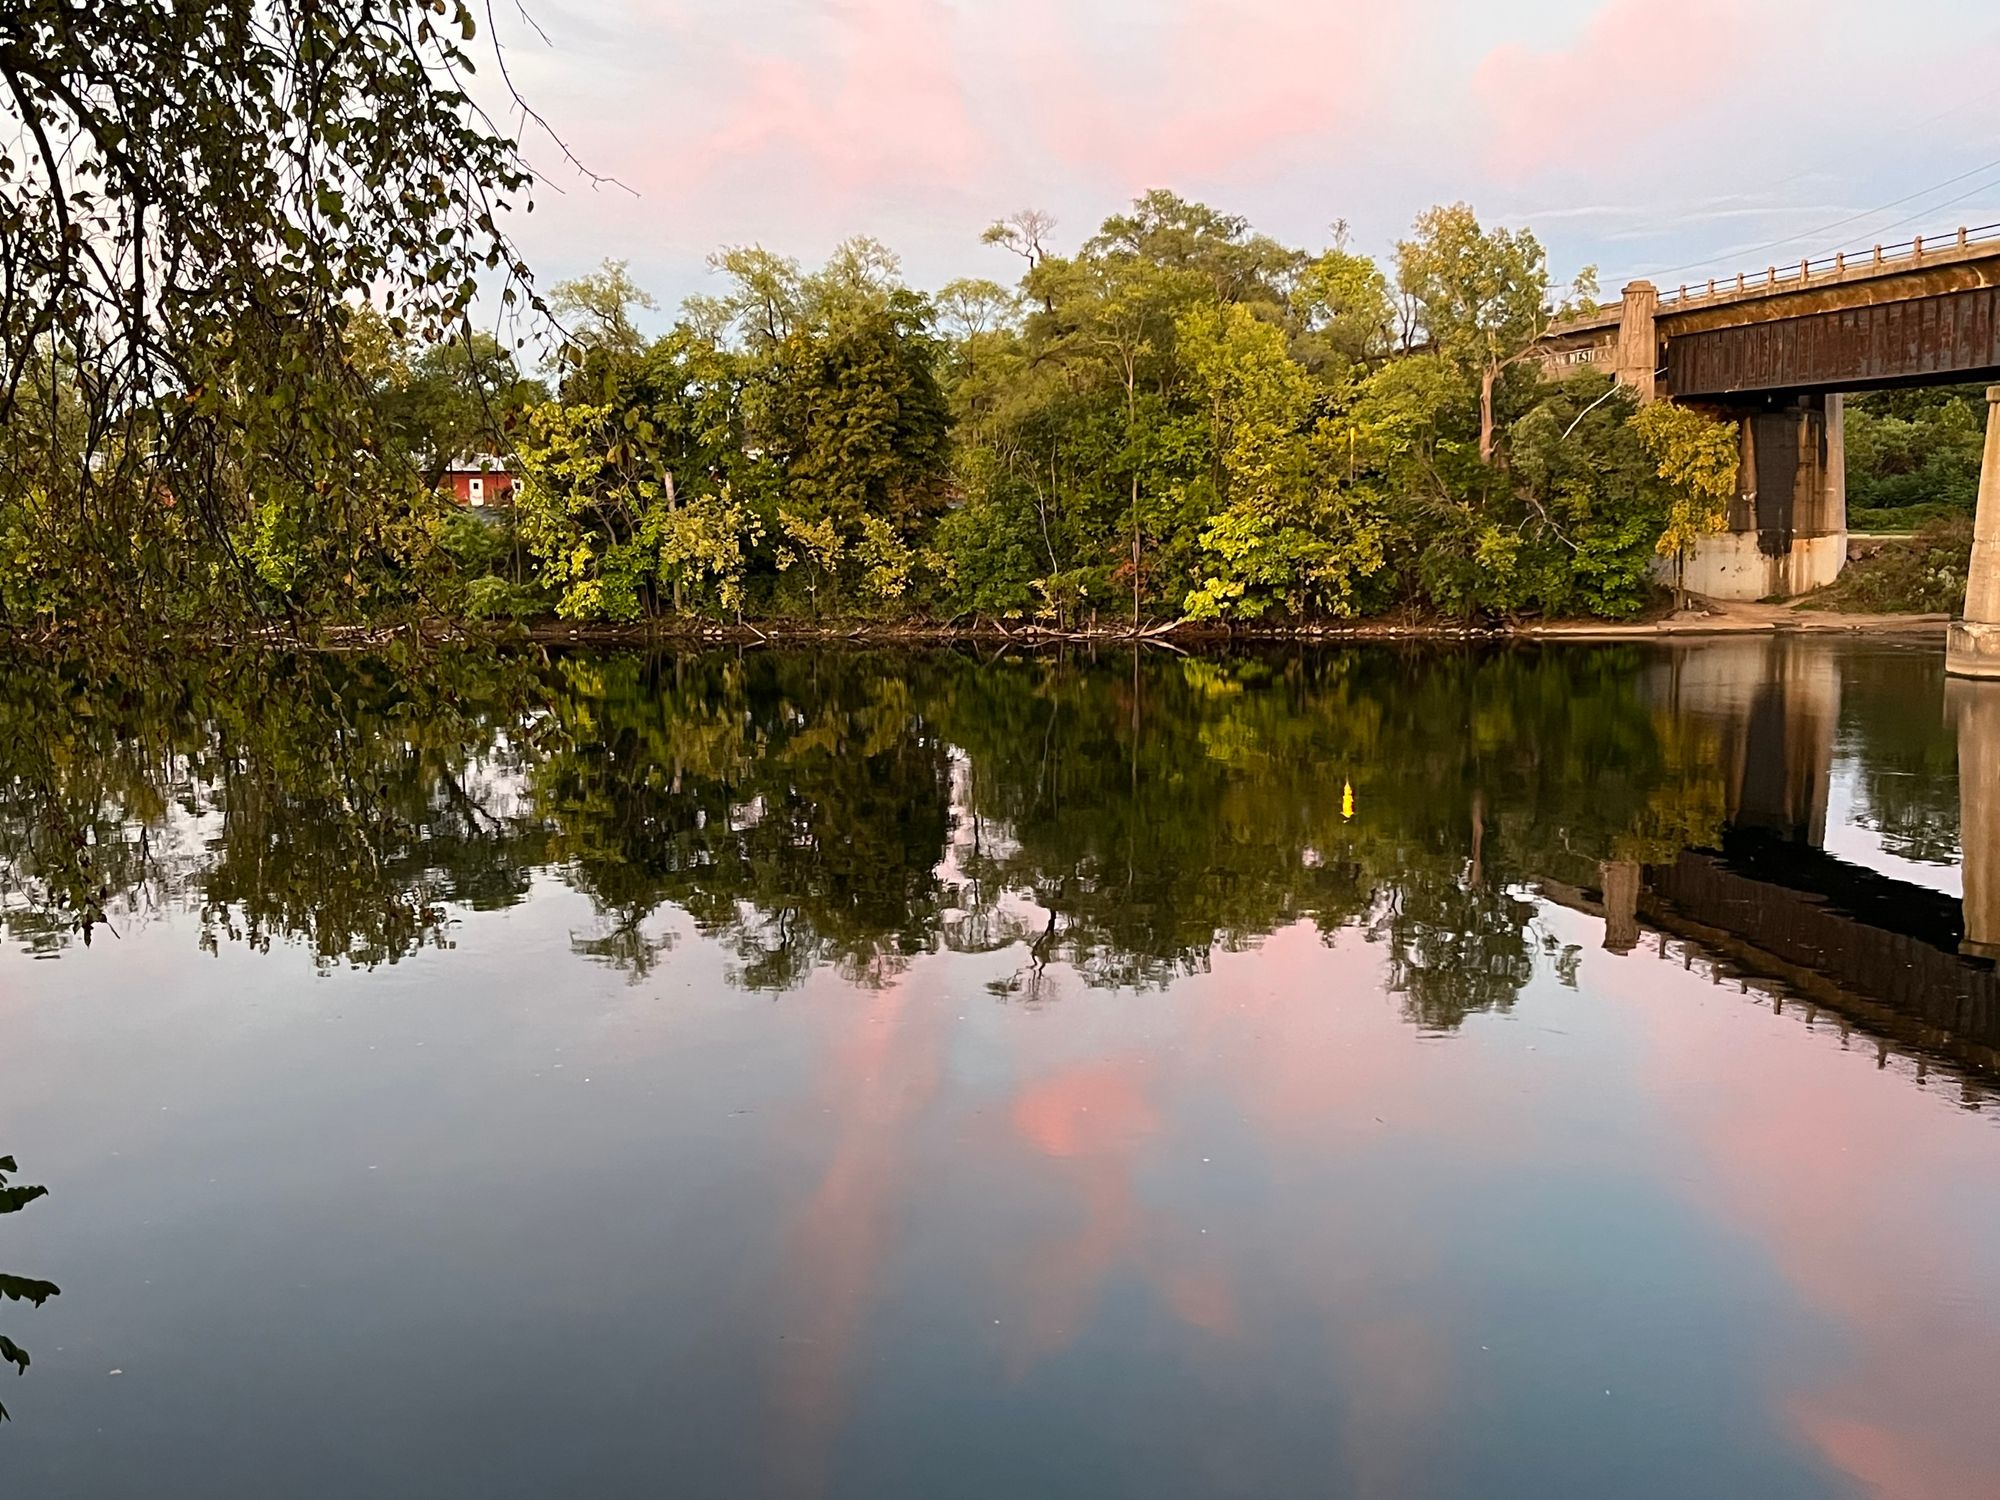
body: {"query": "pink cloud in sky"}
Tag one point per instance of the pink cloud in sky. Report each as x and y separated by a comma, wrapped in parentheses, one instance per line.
(875, 101)
(795, 123)
(1218, 86)
(1635, 72)
(918, 98)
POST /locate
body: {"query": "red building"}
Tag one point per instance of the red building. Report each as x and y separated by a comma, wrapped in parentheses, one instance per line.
(479, 481)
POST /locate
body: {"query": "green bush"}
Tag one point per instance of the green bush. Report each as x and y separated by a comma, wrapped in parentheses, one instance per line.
(1925, 575)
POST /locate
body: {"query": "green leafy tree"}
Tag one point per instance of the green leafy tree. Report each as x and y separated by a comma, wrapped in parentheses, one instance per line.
(1696, 458)
(598, 308)
(609, 530)
(851, 420)
(816, 547)
(1479, 297)
(1085, 463)
(1913, 456)
(189, 199)
(1587, 507)
(1287, 533)
(1344, 311)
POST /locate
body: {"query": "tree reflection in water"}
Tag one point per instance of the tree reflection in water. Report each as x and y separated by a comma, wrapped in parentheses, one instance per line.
(1118, 819)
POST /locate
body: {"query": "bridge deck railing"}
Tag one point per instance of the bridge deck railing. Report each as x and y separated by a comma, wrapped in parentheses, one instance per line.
(1838, 264)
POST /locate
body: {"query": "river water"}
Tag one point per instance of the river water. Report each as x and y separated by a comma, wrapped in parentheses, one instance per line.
(1546, 1072)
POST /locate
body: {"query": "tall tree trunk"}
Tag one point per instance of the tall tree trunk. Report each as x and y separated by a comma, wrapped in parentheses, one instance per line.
(1486, 379)
(1135, 550)
(1131, 423)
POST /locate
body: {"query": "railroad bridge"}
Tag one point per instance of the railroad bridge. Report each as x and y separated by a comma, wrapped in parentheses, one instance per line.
(1776, 351)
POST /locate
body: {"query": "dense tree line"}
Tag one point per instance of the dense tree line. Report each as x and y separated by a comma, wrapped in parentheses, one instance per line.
(1183, 418)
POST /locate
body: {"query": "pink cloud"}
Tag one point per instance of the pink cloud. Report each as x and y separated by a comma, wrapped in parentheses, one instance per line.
(881, 105)
(1633, 74)
(1225, 83)
(874, 100)
(901, 97)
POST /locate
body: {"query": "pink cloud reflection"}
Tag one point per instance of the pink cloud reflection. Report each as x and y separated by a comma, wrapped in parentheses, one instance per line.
(1852, 1179)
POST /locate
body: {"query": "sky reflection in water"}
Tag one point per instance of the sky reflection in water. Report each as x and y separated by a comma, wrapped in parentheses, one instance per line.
(863, 1075)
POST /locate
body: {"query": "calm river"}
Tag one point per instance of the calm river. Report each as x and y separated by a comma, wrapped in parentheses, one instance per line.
(1544, 1073)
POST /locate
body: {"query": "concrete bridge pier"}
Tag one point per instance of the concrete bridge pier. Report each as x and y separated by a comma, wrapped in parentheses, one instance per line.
(1788, 525)
(1973, 648)
(1635, 353)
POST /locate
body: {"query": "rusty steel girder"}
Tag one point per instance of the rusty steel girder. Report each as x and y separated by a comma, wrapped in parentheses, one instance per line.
(1947, 336)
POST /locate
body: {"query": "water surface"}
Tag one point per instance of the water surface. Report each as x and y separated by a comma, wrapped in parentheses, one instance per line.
(1543, 1072)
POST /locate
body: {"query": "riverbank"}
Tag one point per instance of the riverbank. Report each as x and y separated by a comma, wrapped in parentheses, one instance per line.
(1705, 617)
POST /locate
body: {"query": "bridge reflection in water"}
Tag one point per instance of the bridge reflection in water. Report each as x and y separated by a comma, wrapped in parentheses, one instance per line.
(1905, 963)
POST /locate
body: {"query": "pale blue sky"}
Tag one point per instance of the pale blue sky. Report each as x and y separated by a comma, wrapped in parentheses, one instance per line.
(1642, 136)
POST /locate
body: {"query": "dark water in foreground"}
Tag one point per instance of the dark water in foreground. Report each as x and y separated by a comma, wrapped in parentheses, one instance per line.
(1539, 1074)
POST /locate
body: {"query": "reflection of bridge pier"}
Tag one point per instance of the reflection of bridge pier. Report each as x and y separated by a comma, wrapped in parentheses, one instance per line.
(1772, 703)
(1902, 961)
(1783, 761)
(1975, 707)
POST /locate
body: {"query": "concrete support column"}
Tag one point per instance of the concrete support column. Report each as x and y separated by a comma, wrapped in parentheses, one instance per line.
(1788, 523)
(1637, 360)
(1973, 649)
(1743, 509)
(1833, 502)
(1976, 707)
